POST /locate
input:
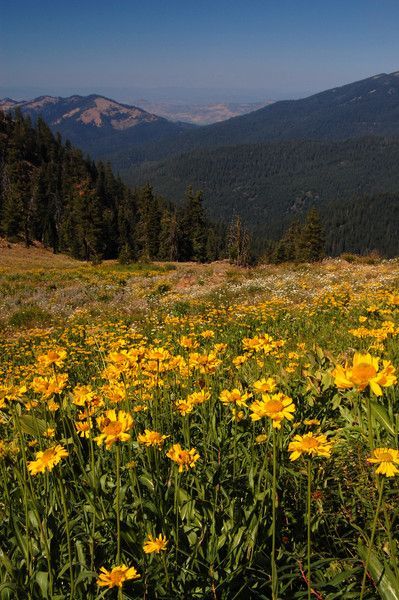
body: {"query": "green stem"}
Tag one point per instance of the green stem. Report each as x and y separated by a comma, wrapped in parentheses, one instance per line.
(392, 544)
(373, 529)
(24, 479)
(165, 569)
(176, 511)
(234, 448)
(274, 506)
(309, 524)
(94, 486)
(68, 534)
(118, 504)
(30, 491)
(370, 424)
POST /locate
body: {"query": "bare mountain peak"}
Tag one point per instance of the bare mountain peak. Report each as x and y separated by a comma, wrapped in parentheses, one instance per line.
(93, 110)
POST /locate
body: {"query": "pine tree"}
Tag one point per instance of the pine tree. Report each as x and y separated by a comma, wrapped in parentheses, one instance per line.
(193, 227)
(127, 218)
(238, 243)
(169, 236)
(149, 226)
(287, 248)
(312, 240)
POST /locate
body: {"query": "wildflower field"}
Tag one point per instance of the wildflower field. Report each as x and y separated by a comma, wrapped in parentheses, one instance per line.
(187, 431)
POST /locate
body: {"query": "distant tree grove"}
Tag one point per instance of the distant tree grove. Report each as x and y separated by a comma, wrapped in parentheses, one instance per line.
(51, 193)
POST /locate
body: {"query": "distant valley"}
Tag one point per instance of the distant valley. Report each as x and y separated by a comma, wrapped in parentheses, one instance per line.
(201, 113)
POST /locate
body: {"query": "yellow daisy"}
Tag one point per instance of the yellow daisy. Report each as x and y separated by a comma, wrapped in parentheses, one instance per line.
(186, 459)
(114, 427)
(151, 438)
(277, 407)
(156, 544)
(47, 459)
(386, 458)
(364, 372)
(117, 576)
(313, 445)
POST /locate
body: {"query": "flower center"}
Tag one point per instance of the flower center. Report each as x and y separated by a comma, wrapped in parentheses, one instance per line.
(184, 457)
(362, 373)
(274, 406)
(116, 577)
(48, 455)
(113, 428)
(310, 442)
(386, 457)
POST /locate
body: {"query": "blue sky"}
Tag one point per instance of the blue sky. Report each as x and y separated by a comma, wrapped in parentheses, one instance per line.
(194, 49)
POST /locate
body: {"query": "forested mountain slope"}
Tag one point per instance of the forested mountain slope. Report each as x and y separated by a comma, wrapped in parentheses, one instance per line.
(51, 193)
(271, 184)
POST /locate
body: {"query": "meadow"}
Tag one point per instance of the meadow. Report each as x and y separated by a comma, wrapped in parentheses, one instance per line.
(198, 431)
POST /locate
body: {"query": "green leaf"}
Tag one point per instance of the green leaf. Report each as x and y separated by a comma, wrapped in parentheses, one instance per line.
(42, 581)
(5, 590)
(21, 540)
(379, 413)
(5, 561)
(147, 482)
(32, 425)
(386, 582)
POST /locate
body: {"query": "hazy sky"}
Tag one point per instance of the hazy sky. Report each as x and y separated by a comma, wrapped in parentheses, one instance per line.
(193, 49)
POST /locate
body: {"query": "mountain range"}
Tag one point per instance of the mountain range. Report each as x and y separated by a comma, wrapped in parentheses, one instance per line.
(363, 108)
(128, 135)
(97, 124)
(339, 146)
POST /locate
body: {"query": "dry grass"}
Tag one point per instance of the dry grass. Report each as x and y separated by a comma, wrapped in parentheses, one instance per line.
(38, 287)
(15, 257)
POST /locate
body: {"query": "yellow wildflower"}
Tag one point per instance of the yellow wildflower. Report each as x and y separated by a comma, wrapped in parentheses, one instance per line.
(185, 407)
(114, 427)
(386, 458)
(49, 432)
(48, 386)
(82, 395)
(277, 407)
(84, 428)
(151, 438)
(311, 422)
(265, 385)
(156, 544)
(186, 459)
(53, 357)
(234, 397)
(198, 397)
(365, 372)
(313, 445)
(117, 576)
(47, 459)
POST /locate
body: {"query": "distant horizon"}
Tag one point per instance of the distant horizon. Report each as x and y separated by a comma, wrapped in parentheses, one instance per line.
(167, 94)
(193, 52)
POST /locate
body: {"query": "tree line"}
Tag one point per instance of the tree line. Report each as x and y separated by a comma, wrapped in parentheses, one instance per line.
(51, 193)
